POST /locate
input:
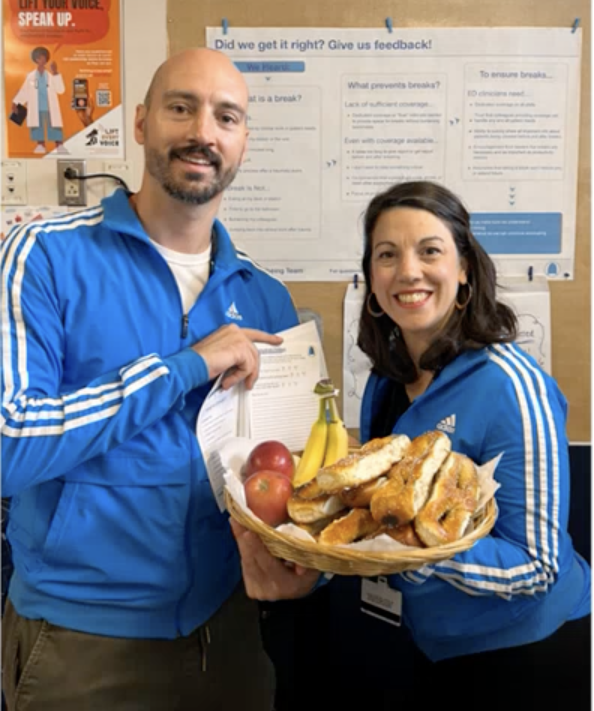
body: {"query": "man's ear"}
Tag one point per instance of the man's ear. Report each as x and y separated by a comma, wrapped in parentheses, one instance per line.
(139, 124)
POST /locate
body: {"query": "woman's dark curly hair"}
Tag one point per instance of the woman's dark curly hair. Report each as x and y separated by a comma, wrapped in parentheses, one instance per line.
(40, 52)
(482, 322)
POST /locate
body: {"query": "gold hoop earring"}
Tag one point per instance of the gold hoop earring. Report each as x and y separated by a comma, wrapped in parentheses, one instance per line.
(461, 307)
(370, 311)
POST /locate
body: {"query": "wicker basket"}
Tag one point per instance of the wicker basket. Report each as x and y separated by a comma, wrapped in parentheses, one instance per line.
(342, 561)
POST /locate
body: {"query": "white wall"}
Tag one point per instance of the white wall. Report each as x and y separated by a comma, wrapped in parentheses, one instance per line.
(144, 47)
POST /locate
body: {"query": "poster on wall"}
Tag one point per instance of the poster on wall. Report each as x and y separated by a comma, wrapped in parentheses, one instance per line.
(338, 115)
(62, 79)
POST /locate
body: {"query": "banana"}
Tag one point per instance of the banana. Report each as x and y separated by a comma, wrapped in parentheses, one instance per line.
(338, 437)
(315, 448)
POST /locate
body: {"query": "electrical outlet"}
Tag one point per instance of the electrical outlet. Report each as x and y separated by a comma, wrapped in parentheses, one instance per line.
(71, 192)
(14, 183)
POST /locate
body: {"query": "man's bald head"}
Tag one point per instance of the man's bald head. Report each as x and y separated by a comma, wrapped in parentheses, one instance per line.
(198, 59)
(193, 125)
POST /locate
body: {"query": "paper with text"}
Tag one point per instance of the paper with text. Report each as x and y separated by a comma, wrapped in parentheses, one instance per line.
(339, 114)
(282, 404)
(219, 420)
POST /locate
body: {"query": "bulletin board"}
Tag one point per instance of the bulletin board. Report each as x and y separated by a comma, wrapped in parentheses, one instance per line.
(570, 301)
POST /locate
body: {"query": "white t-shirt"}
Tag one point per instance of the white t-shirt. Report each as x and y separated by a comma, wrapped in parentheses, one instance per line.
(191, 272)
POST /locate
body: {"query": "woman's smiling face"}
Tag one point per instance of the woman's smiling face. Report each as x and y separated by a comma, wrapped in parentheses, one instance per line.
(415, 272)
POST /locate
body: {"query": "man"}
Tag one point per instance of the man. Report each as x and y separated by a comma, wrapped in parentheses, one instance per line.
(117, 320)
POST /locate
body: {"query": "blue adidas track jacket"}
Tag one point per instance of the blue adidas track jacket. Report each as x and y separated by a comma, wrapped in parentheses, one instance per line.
(521, 583)
(113, 524)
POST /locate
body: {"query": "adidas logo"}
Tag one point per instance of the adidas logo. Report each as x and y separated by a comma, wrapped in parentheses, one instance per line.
(233, 313)
(448, 424)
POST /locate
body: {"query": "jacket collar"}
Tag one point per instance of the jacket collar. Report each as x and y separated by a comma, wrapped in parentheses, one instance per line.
(376, 384)
(120, 217)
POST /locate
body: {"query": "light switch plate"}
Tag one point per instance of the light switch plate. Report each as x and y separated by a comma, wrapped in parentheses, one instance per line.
(14, 182)
(120, 169)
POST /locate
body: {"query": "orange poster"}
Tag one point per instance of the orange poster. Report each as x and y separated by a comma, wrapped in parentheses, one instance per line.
(62, 78)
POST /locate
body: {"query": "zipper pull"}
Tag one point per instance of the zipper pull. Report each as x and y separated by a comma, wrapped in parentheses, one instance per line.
(185, 321)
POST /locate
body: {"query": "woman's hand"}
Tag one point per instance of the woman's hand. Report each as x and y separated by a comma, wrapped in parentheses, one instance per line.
(267, 577)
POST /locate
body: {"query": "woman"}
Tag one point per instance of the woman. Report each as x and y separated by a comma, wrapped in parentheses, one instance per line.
(507, 621)
(40, 92)
(442, 354)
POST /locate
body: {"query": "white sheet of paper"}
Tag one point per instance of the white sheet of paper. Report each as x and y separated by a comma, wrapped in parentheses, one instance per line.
(219, 415)
(531, 300)
(219, 421)
(281, 405)
(339, 114)
(307, 331)
(356, 364)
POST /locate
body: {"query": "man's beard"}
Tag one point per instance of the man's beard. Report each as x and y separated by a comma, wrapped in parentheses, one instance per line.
(193, 188)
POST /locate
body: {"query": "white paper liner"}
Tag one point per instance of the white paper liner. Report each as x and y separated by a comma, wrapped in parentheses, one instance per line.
(235, 452)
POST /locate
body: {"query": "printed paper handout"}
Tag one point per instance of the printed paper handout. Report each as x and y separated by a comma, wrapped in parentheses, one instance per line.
(281, 406)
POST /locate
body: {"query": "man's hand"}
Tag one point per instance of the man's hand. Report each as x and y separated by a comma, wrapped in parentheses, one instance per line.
(54, 68)
(267, 577)
(231, 349)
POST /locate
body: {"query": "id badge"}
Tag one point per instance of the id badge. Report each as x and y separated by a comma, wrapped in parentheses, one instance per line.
(379, 600)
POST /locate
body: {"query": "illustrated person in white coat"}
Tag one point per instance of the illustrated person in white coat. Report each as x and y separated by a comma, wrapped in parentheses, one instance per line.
(39, 93)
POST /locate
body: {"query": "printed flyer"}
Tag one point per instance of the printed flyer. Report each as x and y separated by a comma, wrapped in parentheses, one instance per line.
(62, 78)
(337, 115)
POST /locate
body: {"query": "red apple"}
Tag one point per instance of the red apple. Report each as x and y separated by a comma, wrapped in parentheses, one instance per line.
(266, 494)
(271, 456)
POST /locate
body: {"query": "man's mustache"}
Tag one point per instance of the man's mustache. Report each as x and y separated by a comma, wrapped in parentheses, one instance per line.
(196, 151)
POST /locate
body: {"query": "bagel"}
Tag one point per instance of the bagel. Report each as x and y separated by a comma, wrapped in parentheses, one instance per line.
(406, 535)
(358, 523)
(312, 510)
(310, 490)
(314, 529)
(360, 496)
(452, 503)
(399, 501)
(370, 462)
(403, 534)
